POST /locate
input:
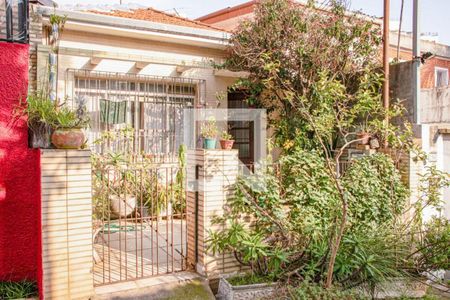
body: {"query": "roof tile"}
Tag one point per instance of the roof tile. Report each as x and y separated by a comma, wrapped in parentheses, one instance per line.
(153, 15)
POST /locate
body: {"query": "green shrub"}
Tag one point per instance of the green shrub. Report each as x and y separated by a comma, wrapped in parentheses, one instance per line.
(433, 250)
(39, 110)
(294, 212)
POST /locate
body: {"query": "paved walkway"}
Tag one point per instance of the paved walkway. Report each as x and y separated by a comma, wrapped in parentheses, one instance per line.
(181, 286)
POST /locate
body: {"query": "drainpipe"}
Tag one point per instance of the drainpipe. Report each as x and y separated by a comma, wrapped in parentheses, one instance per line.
(386, 55)
(53, 63)
(197, 176)
(416, 61)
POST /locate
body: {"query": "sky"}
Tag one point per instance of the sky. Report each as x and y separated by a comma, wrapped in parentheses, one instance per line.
(434, 14)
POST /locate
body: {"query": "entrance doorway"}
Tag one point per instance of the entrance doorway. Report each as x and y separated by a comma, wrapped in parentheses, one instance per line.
(242, 131)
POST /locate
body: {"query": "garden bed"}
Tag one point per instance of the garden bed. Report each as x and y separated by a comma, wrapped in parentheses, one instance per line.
(401, 288)
(238, 288)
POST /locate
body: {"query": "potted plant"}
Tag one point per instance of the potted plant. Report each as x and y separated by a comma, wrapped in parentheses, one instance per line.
(209, 133)
(40, 112)
(226, 141)
(68, 126)
(363, 135)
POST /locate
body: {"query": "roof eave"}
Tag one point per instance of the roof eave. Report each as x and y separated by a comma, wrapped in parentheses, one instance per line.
(176, 33)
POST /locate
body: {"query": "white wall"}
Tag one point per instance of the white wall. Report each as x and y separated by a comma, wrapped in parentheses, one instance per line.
(446, 167)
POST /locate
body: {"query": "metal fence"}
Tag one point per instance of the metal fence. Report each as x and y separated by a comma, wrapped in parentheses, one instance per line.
(14, 21)
(139, 221)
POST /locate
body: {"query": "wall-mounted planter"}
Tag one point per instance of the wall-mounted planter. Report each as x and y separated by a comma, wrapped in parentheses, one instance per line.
(244, 292)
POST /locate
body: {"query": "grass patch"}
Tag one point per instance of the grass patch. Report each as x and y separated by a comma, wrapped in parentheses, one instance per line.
(194, 290)
(18, 290)
(248, 279)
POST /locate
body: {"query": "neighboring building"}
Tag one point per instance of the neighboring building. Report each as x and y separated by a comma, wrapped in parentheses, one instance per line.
(435, 72)
(230, 17)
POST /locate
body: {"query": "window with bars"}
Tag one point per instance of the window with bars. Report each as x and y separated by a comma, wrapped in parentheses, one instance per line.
(441, 77)
(151, 106)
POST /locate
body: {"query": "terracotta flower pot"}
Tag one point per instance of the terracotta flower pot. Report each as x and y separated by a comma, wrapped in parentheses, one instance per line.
(68, 138)
(226, 144)
(364, 138)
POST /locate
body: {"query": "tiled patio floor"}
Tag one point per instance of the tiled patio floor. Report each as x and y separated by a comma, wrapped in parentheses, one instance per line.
(139, 253)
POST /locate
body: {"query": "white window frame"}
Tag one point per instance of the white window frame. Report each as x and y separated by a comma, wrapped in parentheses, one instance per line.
(436, 69)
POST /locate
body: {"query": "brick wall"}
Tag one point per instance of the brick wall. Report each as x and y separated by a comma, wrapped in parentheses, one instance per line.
(428, 69)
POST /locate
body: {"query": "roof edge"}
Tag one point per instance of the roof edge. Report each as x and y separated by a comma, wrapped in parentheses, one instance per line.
(196, 22)
(99, 19)
(226, 10)
(229, 10)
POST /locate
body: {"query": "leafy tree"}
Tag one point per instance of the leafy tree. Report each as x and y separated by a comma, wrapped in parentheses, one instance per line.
(316, 70)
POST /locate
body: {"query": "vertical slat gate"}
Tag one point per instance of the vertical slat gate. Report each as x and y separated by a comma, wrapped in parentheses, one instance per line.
(139, 198)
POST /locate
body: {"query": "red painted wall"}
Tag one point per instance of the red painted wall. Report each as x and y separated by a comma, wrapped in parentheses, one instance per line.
(20, 254)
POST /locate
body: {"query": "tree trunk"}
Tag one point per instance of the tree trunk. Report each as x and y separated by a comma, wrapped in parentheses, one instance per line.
(335, 245)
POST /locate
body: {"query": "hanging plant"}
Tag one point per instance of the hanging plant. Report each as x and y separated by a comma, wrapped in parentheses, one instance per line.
(57, 25)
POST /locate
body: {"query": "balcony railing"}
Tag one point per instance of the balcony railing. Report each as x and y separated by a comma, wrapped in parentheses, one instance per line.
(14, 21)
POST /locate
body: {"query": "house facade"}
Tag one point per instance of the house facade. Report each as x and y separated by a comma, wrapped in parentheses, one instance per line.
(131, 69)
(137, 69)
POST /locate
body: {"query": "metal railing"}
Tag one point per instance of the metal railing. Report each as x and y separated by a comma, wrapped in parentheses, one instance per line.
(14, 21)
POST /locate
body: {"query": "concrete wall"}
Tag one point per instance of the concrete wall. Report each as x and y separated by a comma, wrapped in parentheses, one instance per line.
(434, 124)
(434, 102)
(435, 105)
(401, 86)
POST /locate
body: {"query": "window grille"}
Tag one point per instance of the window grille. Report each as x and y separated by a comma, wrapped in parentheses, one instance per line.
(151, 106)
(441, 76)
